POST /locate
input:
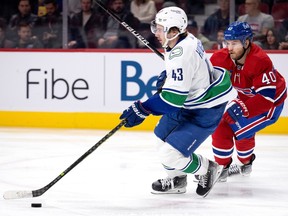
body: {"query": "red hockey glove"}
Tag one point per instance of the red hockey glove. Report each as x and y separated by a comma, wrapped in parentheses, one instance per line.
(236, 111)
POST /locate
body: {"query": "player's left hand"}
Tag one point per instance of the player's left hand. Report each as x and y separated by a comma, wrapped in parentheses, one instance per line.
(134, 115)
(237, 109)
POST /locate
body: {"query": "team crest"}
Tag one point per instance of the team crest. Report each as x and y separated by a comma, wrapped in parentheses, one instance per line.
(176, 52)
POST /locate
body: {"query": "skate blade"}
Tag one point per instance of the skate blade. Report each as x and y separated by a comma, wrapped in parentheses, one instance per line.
(218, 173)
(239, 175)
(222, 180)
(173, 191)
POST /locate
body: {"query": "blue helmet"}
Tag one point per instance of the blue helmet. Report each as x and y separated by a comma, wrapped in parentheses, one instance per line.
(238, 31)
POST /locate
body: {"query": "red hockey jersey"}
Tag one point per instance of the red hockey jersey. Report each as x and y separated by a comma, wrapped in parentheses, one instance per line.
(260, 86)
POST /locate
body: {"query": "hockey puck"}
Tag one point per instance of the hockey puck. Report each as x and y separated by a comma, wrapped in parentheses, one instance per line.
(36, 205)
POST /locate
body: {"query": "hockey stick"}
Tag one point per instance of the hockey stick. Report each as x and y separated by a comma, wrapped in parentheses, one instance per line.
(130, 29)
(39, 192)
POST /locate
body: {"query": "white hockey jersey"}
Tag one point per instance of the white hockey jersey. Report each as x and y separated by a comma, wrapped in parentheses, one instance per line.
(192, 82)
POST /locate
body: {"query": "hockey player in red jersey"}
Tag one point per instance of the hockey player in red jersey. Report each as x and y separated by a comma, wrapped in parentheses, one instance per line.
(261, 94)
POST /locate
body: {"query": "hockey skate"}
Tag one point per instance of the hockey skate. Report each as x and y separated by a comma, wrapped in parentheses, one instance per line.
(176, 185)
(207, 181)
(244, 170)
(224, 175)
(225, 172)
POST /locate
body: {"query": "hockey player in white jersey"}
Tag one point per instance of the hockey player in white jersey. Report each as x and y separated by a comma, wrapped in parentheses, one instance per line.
(191, 98)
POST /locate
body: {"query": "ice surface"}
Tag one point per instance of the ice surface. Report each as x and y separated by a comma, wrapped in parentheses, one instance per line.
(116, 178)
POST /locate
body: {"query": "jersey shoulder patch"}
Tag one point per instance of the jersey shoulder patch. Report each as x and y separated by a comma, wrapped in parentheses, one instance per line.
(176, 52)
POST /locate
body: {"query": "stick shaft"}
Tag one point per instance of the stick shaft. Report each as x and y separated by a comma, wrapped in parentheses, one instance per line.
(39, 192)
(130, 29)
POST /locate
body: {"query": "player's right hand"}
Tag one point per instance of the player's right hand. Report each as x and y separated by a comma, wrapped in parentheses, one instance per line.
(134, 115)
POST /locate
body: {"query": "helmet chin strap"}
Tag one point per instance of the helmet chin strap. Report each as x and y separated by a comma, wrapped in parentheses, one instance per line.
(165, 45)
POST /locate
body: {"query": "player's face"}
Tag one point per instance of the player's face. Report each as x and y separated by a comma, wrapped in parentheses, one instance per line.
(235, 48)
(160, 34)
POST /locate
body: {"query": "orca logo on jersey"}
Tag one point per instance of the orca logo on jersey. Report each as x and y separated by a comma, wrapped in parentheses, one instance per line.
(175, 52)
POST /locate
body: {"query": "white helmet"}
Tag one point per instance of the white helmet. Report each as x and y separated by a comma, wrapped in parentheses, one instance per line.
(170, 17)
